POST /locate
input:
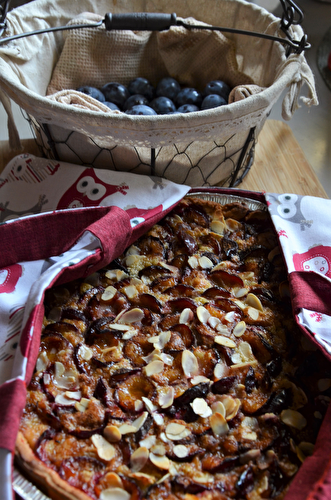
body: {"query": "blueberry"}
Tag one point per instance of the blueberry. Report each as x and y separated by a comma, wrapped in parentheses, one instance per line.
(141, 86)
(213, 101)
(134, 100)
(111, 105)
(92, 92)
(188, 108)
(168, 87)
(189, 96)
(163, 105)
(217, 87)
(141, 109)
(116, 93)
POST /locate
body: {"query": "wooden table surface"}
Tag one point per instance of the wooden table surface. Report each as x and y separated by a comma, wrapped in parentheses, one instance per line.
(279, 166)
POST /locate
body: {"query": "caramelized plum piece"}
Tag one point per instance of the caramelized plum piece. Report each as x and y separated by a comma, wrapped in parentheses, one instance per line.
(210, 241)
(154, 272)
(215, 464)
(195, 214)
(136, 349)
(180, 290)
(132, 389)
(101, 392)
(225, 279)
(71, 313)
(229, 248)
(236, 210)
(277, 402)
(177, 305)
(74, 470)
(228, 305)
(152, 245)
(180, 261)
(274, 366)
(224, 385)
(250, 381)
(216, 292)
(245, 482)
(163, 284)
(196, 391)
(53, 342)
(98, 332)
(121, 375)
(187, 241)
(185, 333)
(40, 450)
(149, 302)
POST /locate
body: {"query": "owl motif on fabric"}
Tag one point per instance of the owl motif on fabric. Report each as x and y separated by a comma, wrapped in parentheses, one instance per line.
(288, 206)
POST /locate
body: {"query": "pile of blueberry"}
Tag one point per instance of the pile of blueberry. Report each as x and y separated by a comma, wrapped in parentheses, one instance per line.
(139, 97)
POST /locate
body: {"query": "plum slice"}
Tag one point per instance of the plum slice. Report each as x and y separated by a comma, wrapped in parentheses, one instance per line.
(74, 470)
(133, 389)
(225, 279)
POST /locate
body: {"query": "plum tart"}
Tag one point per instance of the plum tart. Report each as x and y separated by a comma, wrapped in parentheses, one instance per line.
(177, 372)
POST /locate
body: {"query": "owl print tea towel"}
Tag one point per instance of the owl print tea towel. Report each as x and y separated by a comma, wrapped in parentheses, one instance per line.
(58, 222)
(303, 225)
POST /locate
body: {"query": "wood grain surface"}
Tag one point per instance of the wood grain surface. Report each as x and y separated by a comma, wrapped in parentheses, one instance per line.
(279, 166)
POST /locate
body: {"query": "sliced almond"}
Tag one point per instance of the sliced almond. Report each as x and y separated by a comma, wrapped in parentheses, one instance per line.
(162, 462)
(139, 458)
(158, 449)
(193, 262)
(180, 451)
(189, 364)
(119, 327)
(154, 367)
(115, 494)
(138, 405)
(42, 361)
(132, 316)
(174, 429)
(178, 437)
(166, 398)
(167, 359)
(225, 341)
(199, 379)
(149, 405)
(293, 418)
(217, 226)
(253, 301)
(239, 329)
(130, 291)
(186, 316)
(232, 224)
(108, 293)
(82, 405)
(240, 292)
(127, 429)
(85, 352)
(253, 313)
(160, 341)
(246, 352)
(113, 480)
(59, 369)
(148, 442)
(220, 370)
(112, 433)
(63, 400)
(200, 407)
(205, 262)
(218, 424)
(203, 314)
(213, 321)
(218, 407)
(105, 450)
(77, 395)
(139, 422)
(230, 316)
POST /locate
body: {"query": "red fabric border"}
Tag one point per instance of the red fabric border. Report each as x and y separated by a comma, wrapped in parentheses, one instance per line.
(311, 291)
(12, 395)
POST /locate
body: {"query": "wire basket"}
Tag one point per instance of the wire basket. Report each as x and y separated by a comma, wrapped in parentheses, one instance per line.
(212, 147)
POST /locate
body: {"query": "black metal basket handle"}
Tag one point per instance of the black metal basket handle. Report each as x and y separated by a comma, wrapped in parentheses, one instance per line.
(145, 21)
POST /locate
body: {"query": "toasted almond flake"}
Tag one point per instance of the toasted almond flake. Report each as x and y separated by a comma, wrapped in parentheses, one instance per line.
(238, 366)
(220, 370)
(174, 429)
(245, 351)
(149, 405)
(112, 433)
(108, 294)
(166, 358)
(213, 321)
(324, 384)
(200, 379)
(218, 407)
(141, 478)
(223, 329)
(139, 422)
(164, 438)
(189, 364)
(85, 352)
(127, 429)
(221, 265)
(119, 327)
(105, 450)
(293, 418)
(158, 449)
(179, 437)
(166, 398)
(132, 260)
(148, 442)
(63, 400)
(77, 395)
(153, 368)
(113, 480)
(186, 316)
(139, 458)
(162, 340)
(138, 405)
(250, 422)
(240, 304)
(239, 329)
(130, 291)
(218, 424)
(205, 262)
(225, 341)
(47, 378)
(203, 314)
(115, 494)
(240, 292)
(173, 269)
(180, 451)
(249, 436)
(217, 226)
(42, 361)
(160, 462)
(59, 369)
(200, 407)
(202, 478)
(158, 418)
(249, 455)
(129, 334)
(132, 316)
(233, 224)
(193, 262)
(82, 405)
(133, 250)
(253, 301)
(230, 316)
(253, 313)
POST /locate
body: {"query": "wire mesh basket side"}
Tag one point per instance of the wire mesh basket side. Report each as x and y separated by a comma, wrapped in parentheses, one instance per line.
(224, 162)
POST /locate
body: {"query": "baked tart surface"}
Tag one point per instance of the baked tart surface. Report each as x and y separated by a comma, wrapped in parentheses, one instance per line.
(176, 372)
